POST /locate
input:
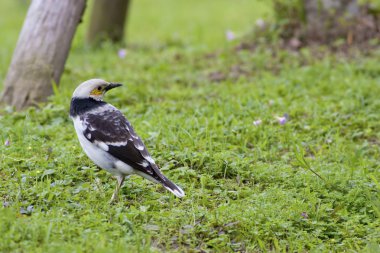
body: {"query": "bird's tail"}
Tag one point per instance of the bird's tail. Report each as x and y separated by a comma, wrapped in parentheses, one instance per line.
(158, 177)
(172, 187)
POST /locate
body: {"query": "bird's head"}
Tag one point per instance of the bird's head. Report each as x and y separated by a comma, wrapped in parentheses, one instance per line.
(94, 88)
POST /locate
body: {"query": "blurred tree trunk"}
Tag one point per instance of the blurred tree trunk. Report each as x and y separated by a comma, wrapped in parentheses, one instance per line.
(41, 51)
(336, 23)
(108, 18)
(330, 18)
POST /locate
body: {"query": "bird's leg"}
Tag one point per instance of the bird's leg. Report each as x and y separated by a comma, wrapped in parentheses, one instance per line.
(115, 195)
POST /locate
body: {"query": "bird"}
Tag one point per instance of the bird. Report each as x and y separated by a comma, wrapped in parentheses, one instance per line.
(109, 140)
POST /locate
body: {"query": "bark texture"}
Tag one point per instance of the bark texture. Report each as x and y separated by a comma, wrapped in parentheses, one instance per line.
(41, 51)
(330, 18)
(107, 22)
(339, 24)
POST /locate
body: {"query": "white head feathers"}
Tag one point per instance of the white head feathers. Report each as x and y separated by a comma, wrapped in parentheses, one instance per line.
(84, 89)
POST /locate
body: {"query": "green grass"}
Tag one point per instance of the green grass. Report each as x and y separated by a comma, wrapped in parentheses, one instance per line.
(249, 188)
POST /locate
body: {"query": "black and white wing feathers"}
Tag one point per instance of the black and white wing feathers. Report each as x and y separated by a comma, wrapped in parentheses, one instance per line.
(109, 129)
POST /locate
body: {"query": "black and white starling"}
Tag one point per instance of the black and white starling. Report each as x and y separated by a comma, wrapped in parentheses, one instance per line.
(108, 138)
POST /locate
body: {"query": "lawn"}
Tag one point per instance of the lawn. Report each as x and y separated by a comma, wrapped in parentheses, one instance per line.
(307, 182)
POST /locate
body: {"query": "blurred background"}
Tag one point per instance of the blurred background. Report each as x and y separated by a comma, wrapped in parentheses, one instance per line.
(193, 26)
(196, 24)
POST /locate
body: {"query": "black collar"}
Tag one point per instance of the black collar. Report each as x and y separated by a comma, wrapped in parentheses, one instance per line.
(81, 105)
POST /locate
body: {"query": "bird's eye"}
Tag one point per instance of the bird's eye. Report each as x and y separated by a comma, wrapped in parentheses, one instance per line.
(99, 88)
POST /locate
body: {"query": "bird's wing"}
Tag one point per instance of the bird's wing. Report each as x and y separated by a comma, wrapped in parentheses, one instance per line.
(110, 130)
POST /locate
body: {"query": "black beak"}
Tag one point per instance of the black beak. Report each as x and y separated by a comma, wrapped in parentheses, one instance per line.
(112, 85)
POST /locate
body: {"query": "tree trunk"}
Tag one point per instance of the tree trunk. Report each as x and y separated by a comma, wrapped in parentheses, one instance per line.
(41, 51)
(338, 24)
(330, 19)
(107, 20)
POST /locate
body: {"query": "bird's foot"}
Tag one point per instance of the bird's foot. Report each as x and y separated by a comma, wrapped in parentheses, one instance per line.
(114, 199)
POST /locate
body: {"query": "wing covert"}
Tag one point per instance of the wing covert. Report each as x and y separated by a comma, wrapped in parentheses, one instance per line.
(109, 127)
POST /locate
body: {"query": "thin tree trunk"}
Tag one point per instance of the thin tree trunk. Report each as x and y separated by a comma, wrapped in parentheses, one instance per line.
(41, 51)
(108, 18)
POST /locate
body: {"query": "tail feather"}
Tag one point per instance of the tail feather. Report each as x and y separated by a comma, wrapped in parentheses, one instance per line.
(172, 187)
(158, 177)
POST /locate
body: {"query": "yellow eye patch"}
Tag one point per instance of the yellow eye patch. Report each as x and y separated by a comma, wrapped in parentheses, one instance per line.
(97, 91)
